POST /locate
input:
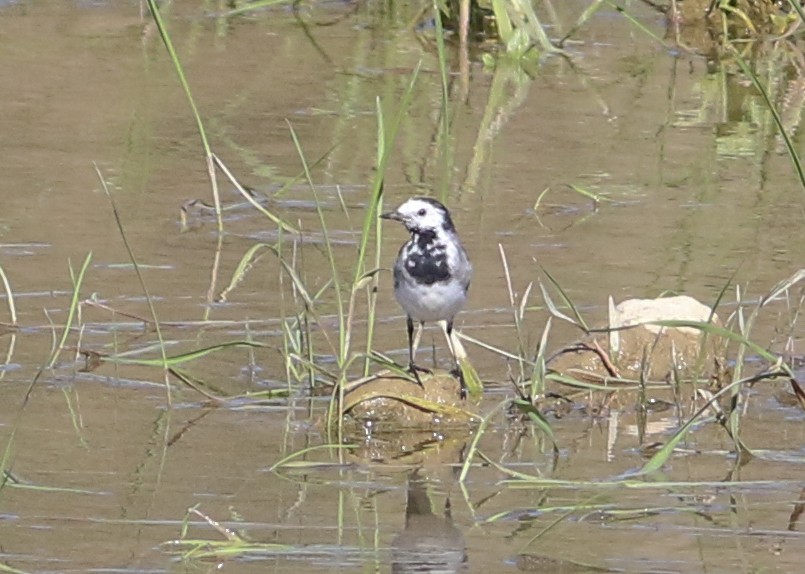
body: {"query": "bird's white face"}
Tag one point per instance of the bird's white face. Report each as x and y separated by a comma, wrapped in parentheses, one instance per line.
(419, 215)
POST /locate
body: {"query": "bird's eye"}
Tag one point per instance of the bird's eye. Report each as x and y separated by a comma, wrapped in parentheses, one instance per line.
(422, 211)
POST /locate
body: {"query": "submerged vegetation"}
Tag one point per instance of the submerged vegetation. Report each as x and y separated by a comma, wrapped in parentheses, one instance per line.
(325, 332)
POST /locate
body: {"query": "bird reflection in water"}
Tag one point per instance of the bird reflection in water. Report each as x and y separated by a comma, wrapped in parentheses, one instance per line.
(429, 542)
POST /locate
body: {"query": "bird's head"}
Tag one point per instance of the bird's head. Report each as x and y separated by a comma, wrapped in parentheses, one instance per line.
(422, 215)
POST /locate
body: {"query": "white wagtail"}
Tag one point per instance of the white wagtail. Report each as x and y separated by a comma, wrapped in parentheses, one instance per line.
(432, 272)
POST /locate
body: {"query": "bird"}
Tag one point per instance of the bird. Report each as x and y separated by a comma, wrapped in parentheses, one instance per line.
(432, 273)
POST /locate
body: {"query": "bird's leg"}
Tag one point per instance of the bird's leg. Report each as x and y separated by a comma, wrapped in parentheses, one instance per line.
(413, 343)
(447, 327)
(411, 348)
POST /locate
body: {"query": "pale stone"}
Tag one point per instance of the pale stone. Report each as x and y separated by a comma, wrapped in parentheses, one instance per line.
(679, 308)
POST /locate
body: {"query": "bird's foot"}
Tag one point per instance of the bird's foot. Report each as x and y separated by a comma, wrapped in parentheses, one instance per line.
(415, 370)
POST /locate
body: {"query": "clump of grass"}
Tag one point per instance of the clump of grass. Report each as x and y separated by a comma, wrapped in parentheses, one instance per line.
(233, 543)
(728, 418)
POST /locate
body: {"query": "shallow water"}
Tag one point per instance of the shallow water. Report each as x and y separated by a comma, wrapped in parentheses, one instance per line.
(697, 187)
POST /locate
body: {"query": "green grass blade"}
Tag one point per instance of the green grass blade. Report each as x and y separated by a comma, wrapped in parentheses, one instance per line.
(294, 455)
(566, 300)
(77, 282)
(163, 34)
(493, 349)
(166, 40)
(472, 449)
(339, 301)
(175, 360)
(539, 369)
(554, 310)
(538, 419)
(782, 287)
(10, 570)
(12, 310)
(250, 198)
(789, 145)
(151, 308)
(385, 147)
(581, 20)
(371, 221)
(246, 263)
(638, 24)
(502, 21)
(721, 332)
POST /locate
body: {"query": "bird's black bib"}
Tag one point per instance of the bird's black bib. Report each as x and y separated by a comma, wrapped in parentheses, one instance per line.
(425, 260)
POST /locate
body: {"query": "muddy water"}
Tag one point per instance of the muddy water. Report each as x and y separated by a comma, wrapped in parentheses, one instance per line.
(103, 472)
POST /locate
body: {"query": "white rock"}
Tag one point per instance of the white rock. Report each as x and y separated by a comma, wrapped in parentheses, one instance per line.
(679, 308)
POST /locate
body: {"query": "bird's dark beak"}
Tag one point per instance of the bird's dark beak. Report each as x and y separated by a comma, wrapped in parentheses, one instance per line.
(391, 215)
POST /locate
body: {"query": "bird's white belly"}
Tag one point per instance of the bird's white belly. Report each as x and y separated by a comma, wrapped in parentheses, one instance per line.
(435, 302)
